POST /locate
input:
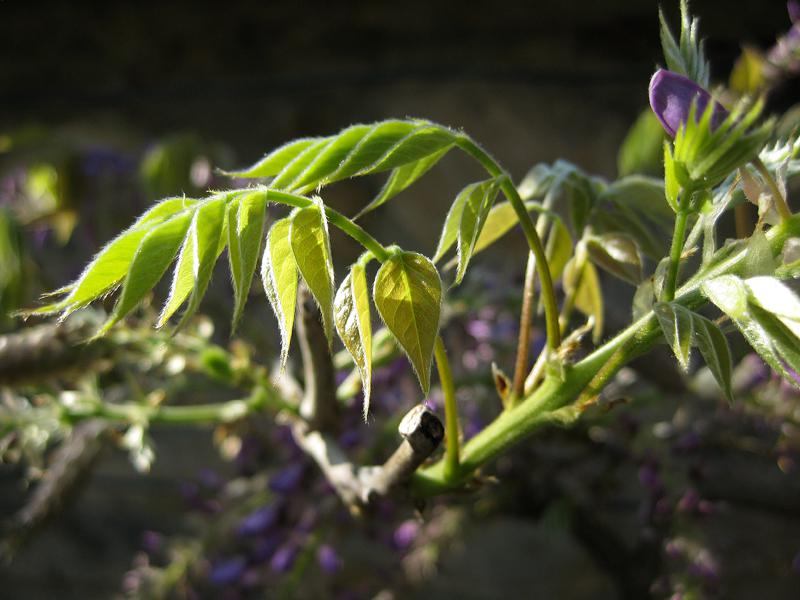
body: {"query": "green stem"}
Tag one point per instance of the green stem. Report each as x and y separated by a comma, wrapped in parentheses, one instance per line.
(671, 281)
(780, 202)
(451, 458)
(528, 228)
(336, 218)
(222, 412)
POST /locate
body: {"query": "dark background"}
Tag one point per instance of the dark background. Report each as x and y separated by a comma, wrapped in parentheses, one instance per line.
(533, 81)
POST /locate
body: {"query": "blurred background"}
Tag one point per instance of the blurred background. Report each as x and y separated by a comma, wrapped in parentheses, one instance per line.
(107, 107)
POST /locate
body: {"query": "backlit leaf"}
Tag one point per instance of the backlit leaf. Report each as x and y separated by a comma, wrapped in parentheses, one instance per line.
(402, 177)
(618, 254)
(279, 277)
(581, 280)
(678, 328)
(352, 316)
(245, 233)
(714, 347)
(479, 200)
(111, 264)
(408, 295)
(153, 256)
(308, 237)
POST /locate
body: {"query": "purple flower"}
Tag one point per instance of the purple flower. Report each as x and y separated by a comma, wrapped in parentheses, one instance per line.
(284, 557)
(328, 559)
(287, 480)
(260, 521)
(227, 571)
(671, 98)
(405, 534)
(794, 10)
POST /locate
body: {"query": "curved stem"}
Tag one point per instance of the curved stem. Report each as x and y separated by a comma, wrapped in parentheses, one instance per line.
(534, 241)
(678, 236)
(451, 429)
(524, 339)
(780, 202)
(336, 218)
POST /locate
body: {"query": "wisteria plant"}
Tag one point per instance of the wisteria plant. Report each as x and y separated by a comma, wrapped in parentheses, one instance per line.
(719, 154)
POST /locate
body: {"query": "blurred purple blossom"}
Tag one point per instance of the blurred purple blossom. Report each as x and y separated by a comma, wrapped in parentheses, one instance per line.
(329, 561)
(671, 98)
(260, 521)
(405, 534)
(227, 571)
(284, 557)
(287, 479)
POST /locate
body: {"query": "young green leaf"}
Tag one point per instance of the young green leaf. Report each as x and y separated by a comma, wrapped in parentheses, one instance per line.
(714, 347)
(677, 325)
(352, 316)
(402, 177)
(776, 298)
(758, 260)
(408, 295)
(640, 151)
(581, 280)
(308, 237)
(153, 256)
(452, 222)
(618, 254)
(279, 276)
(479, 201)
(643, 299)
(274, 162)
(111, 264)
(201, 249)
(558, 248)
(729, 293)
(245, 232)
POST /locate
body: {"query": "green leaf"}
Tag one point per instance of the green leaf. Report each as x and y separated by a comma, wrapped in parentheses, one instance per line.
(279, 277)
(479, 200)
(729, 294)
(758, 259)
(352, 316)
(245, 233)
(581, 280)
(408, 295)
(308, 237)
(402, 177)
(357, 150)
(687, 56)
(112, 263)
(452, 222)
(677, 325)
(274, 162)
(618, 254)
(776, 298)
(763, 331)
(714, 347)
(640, 151)
(201, 248)
(558, 248)
(153, 256)
(643, 299)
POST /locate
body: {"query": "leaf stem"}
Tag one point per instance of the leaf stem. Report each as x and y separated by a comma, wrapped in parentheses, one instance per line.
(534, 241)
(524, 339)
(780, 202)
(336, 218)
(678, 235)
(451, 428)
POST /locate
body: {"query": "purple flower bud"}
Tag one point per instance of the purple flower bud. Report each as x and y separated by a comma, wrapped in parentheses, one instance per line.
(227, 571)
(284, 558)
(287, 480)
(328, 559)
(671, 98)
(260, 521)
(405, 534)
